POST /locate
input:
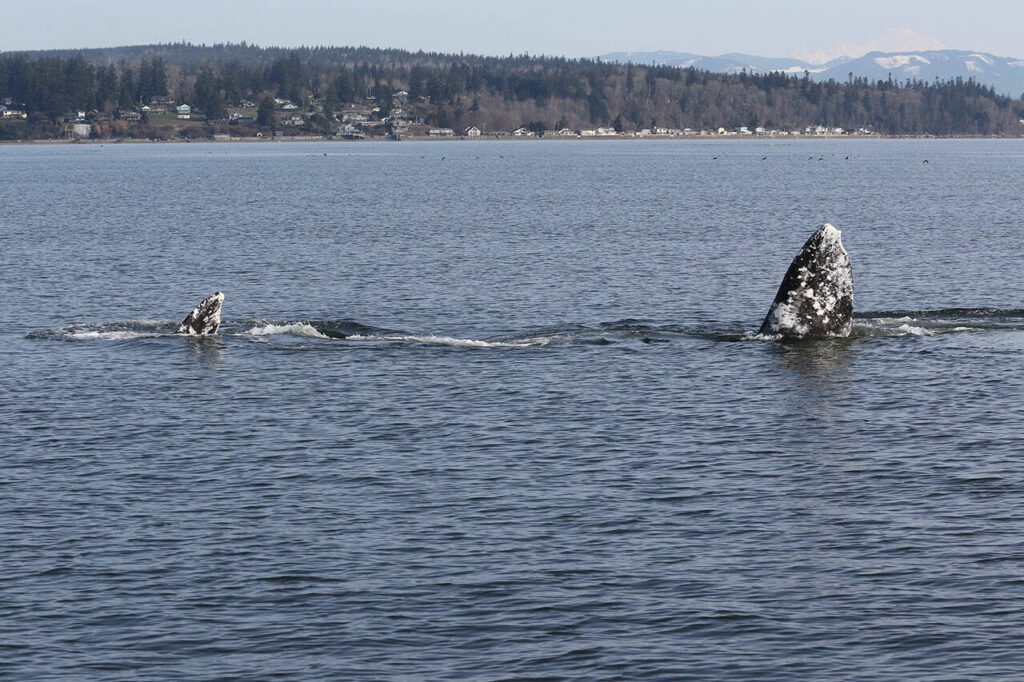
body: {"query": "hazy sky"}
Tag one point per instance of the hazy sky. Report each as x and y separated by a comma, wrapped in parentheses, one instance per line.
(571, 27)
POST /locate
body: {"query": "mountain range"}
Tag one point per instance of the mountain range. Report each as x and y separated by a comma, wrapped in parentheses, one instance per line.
(1005, 74)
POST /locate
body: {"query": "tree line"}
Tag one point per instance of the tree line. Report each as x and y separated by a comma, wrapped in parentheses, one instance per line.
(495, 93)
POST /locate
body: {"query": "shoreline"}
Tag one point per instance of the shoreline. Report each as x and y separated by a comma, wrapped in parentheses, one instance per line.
(420, 139)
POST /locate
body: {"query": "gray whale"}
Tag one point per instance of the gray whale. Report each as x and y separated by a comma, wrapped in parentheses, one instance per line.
(205, 319)
(815, 298)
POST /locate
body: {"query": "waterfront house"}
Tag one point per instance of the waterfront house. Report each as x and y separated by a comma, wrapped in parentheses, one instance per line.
(441, 132)
(184, 111)
(472, 131)
(399, 128)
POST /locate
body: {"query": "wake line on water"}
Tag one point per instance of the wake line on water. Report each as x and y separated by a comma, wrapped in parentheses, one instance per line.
(307, 330)
(452, 341)
(867, 325)
(303, 329)
(967, 312)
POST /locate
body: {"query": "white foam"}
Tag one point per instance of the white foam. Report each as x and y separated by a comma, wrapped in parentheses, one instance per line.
(108, 336)
(303, 329)
(452, 341)
(751, 336)
(915, 331)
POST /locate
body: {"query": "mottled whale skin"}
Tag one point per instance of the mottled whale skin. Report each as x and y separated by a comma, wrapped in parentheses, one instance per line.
(205, 319)
(816, 295)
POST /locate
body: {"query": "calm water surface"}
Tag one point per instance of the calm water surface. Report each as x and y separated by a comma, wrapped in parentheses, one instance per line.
(550, 447)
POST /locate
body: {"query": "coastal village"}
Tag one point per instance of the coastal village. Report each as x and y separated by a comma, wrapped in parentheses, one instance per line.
(164, 118)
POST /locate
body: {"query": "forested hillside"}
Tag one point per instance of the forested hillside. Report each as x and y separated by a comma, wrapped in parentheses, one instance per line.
(490, 93)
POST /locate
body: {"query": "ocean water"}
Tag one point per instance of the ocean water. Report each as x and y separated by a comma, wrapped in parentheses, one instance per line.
(550, 446)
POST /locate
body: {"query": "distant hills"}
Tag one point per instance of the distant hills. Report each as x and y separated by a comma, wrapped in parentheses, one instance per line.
(1005, 74)
(359, 91)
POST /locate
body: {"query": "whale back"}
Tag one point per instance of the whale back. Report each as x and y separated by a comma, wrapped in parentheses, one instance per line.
(815, 298)
(205, 318)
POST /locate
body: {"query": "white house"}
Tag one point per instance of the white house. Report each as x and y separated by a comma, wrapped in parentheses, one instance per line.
(472, 131)
(184, 111)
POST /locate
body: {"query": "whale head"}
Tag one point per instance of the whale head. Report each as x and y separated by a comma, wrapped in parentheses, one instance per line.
(815, 298)
(205, 319)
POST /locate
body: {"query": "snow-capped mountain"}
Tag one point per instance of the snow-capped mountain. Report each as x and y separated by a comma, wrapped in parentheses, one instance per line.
(1005, 74)
(726, 63)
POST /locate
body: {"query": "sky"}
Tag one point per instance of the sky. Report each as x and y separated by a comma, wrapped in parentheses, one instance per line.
(576, 28)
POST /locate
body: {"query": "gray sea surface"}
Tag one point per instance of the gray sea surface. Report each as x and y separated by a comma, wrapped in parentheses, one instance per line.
(550, 445)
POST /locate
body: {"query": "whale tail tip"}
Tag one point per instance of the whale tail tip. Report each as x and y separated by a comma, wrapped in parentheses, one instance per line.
(205, 318)
(815, 298)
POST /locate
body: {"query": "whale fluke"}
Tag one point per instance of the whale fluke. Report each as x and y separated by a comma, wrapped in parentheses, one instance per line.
(816, 295)
(205, 319)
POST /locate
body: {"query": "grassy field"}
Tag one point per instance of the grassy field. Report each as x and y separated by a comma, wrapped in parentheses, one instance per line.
(172, 119)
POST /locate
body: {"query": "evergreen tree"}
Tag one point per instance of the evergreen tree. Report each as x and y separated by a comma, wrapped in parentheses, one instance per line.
(209, 98)
(265, 113)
